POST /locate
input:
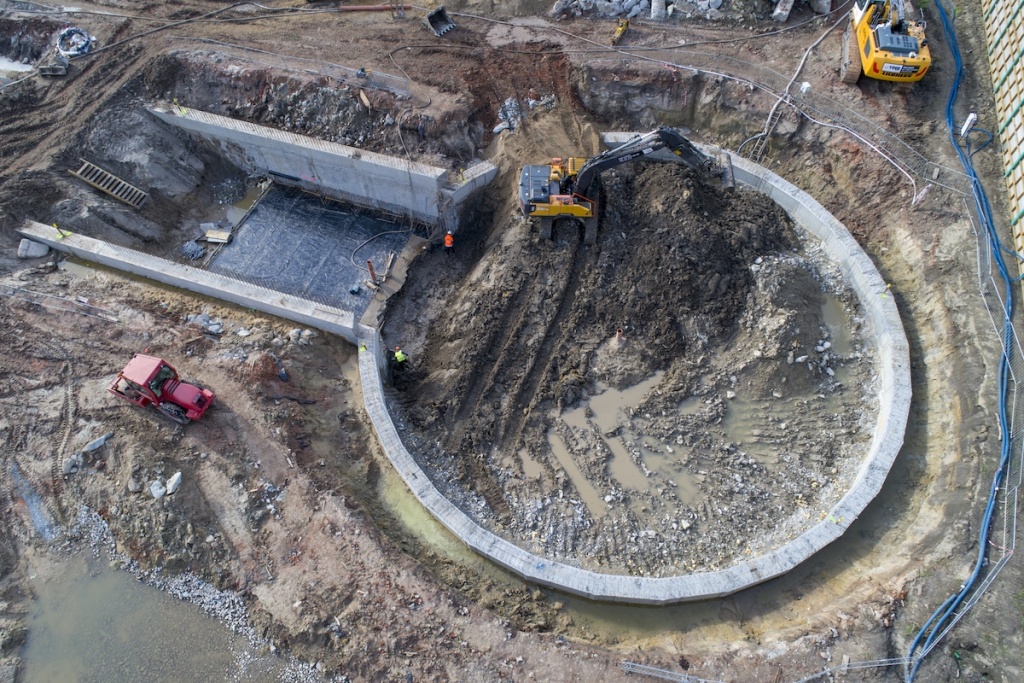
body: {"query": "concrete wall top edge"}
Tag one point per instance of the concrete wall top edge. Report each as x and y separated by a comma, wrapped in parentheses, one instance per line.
(325, 318)
(169, 112)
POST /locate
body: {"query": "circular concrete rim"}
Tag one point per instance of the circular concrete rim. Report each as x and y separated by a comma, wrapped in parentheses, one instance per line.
(894, 405)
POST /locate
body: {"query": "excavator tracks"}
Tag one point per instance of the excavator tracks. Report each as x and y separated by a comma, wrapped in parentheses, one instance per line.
(525, 394)
(849, 69)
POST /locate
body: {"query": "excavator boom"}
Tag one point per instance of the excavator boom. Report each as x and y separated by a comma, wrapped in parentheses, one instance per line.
(642, 145)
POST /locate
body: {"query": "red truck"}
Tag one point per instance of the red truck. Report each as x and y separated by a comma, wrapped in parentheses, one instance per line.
(152, 381)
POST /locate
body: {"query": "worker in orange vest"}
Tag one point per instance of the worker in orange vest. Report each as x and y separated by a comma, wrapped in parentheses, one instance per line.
(449, 243)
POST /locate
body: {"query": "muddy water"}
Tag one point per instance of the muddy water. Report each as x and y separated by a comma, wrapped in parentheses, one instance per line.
(531, 468)
(746, 423)
(236, 211)
(91, 623)
(838, 323)
(610, 413)
(590, 495)
(421, 525)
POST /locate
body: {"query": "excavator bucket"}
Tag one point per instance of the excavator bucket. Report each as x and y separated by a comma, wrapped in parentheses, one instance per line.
(58, 66)
(439, 22)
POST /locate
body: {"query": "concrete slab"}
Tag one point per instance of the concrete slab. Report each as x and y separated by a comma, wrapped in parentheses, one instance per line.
(29, 249)
(296, 243)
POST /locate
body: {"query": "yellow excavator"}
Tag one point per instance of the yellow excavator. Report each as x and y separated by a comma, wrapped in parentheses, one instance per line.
(881, 43)
(565, 188)
(620, 31)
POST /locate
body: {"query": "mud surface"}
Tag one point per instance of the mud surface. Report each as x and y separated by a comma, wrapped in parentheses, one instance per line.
(719, 300)
(291, 506)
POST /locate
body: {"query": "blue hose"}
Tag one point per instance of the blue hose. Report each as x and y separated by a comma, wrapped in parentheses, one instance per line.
(928, 634)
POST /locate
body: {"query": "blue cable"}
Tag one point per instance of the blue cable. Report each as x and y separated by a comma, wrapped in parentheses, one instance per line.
(940, 618)
(984, 144)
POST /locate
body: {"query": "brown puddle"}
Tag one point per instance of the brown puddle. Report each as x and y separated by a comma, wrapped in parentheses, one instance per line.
(92, 623)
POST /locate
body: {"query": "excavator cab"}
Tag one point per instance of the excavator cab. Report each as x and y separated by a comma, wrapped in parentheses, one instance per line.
(882, 44)
(566, 187)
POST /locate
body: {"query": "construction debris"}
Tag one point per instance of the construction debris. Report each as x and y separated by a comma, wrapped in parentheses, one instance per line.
(58, 66)
(74, 42)
(510, 113)
(193, 250)
(29, 249)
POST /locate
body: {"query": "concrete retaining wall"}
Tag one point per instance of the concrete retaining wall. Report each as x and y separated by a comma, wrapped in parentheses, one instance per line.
(346, 173)
(305, 312)
(894, 405)
(475, 177)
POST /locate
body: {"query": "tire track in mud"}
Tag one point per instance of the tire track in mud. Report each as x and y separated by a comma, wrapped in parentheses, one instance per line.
(524, 397)
(19, 344)
(65, 425)
(505, 368)
(511, 318)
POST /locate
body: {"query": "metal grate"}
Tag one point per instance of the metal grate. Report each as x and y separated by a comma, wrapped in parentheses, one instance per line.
(110, 183)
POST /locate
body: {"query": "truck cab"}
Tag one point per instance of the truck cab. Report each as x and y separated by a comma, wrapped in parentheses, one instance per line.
(153, 381)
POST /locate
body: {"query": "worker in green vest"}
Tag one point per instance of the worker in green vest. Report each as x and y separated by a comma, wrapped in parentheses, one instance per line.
(400, 356)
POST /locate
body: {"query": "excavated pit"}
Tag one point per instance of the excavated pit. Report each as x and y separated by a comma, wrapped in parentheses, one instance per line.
(711, 430)
(732, 411)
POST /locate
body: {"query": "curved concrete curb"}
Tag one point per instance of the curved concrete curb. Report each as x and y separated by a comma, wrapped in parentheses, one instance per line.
(894, 406)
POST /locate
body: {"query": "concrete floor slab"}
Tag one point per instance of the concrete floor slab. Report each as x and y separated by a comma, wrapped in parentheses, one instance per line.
(296, 243)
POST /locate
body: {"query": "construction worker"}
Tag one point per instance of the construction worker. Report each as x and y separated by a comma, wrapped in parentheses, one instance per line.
(400, 356)
(449, 243)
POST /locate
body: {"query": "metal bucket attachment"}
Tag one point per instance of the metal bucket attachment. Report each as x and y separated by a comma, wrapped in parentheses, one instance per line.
(439, 22)
(58, 66)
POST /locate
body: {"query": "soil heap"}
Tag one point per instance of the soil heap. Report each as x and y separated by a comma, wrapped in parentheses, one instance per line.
(728, 445)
